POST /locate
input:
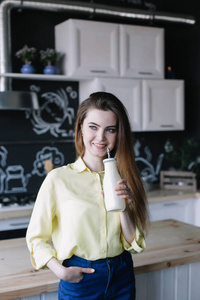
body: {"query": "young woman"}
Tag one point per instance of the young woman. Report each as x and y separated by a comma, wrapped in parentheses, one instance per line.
(94, 244)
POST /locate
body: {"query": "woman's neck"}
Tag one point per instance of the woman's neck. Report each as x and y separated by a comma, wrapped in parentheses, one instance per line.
(94, 164)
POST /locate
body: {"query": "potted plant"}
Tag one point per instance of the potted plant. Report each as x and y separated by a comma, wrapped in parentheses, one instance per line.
(185, 156)
(27, 55)
(49, 57)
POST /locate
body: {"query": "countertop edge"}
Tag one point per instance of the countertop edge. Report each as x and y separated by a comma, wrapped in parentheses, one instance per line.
(14, 214)
(163, 195)
(30, 291)
(188, 256)
(41, 284)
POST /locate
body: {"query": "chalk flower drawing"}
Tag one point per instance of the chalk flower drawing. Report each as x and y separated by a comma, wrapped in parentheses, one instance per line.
(47, 152)
(148, 171)
(53, 113)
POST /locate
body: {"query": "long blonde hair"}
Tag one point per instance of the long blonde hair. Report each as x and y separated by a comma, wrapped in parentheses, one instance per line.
(123, 151)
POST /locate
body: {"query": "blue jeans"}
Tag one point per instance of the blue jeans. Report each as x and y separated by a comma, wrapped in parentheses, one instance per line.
(113, 279)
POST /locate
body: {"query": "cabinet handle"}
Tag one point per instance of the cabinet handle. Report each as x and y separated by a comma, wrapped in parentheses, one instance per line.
(145, 73)
(170, 204)
(98, 71)
(19, 224)
(167, 125)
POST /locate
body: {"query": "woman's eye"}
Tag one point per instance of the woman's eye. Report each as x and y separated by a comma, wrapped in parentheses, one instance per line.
(93, 127)
(112, 130)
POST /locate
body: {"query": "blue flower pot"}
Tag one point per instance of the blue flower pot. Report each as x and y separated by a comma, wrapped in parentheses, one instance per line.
(50, 70)
(27, 69)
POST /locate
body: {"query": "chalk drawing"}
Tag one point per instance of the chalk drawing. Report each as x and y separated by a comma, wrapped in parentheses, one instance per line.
(13, 179)
(3, 158)
(46, 153)
(54, 112)
(147, 170)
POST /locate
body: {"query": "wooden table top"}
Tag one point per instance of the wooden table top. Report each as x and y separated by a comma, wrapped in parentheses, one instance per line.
(169, 243)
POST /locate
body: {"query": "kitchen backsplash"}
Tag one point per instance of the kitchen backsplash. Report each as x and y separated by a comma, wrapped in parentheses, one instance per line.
(22, 165)
(32, 138)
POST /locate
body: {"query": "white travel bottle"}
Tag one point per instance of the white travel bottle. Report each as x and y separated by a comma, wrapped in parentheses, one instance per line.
(111, 177)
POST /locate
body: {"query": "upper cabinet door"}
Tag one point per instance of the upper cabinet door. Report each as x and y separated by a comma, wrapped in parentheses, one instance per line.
(91, 48)
(163, 105)
(141, 51)
(127, 90)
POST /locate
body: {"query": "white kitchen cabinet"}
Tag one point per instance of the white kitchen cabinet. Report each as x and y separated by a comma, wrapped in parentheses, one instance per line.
(162, 105)
(107, 49)
(128, 91)
(152, 105)
(91, 48)
(184, 210)
(173, 283)
(141, 51)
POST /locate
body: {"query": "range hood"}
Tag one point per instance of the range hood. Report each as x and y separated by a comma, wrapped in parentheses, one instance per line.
(18, 100)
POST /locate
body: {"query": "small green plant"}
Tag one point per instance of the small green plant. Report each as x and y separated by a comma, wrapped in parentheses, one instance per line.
(185, 156)
(26, 54)
(49, 56)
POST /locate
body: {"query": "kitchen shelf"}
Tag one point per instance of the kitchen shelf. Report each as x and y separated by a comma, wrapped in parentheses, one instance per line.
(38, 76)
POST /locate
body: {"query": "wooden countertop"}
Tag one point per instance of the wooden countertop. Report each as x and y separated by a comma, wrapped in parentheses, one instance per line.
(161, 195)
(154, 196)
(18, 212)
(169, 243)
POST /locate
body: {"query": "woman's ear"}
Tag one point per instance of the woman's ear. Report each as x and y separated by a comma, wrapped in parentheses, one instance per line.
(81, 129)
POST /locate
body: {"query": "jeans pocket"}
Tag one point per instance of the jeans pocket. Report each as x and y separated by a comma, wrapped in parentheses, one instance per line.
(71, 263)
(82, 279)
(78, 282)
(127, 258)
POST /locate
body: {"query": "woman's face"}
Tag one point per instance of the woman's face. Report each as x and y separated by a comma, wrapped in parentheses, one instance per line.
(99, 130)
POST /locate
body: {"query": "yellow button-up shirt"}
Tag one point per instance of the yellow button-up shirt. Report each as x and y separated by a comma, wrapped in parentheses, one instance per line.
(70, 210)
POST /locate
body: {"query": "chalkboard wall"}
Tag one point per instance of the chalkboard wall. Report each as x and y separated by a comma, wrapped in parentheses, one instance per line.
(26, 140)
(30, 138)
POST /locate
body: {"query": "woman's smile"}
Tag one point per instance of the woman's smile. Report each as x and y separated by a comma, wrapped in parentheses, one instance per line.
(99, 146)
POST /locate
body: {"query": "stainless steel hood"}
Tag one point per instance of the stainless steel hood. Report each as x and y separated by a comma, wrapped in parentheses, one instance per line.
(18, 100)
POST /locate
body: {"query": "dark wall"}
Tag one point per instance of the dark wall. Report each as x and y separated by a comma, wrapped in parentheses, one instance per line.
(26, 140)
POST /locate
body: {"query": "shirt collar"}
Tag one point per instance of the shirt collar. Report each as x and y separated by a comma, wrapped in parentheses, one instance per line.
(79, 166)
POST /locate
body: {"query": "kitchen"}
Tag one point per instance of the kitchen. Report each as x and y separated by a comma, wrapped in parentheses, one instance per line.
(180, 44)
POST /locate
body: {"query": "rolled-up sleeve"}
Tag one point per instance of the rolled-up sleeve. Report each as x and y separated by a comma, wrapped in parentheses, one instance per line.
(39, 231)
(138, 245)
